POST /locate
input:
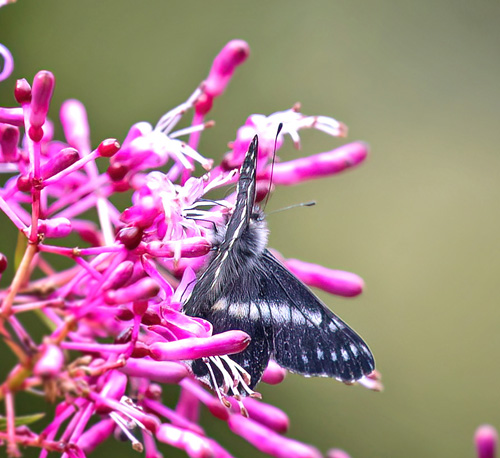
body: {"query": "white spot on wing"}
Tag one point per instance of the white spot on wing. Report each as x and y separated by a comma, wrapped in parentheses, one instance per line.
(315, 318)
(354, 349)
(254, 312)
(220, 305)
(238, 311)
(333, 355)
(264, 311)
(297, 317)
(320, 353)
(345, 355)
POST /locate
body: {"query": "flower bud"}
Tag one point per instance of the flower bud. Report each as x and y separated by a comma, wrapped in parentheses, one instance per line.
(22, 92)
(55, 227)
(75, 125)
(117, 171)
(267, 441)
(43, 87)
(23, 183)
(486, 439)
(332, 281)
(95, 435)
(119, 276)
(9, 139)
(224, 343)
(130, 237)
(51, 362)
(155, 371)
(13, 116)
(273, 374)
(59, 162)
(194, 445)
(267, 415)
(192, 247)
(318, 165)
(142, 289)
(3, 263)
(108, 147)
(233, 54)
(8, 60)
(115, 387)
(336, 453)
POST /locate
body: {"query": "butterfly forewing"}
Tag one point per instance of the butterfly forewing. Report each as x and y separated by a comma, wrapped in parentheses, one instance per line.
(245, 192)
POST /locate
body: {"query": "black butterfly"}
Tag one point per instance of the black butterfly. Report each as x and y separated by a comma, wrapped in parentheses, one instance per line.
(245, 287)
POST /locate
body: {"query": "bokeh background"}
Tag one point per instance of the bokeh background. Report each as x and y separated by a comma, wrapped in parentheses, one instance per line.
(419, 221)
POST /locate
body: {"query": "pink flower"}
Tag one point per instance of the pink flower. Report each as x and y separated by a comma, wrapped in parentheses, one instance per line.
(486, 439)
(114, 316)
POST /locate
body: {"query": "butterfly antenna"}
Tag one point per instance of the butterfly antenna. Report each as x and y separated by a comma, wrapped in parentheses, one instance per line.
(280, 126)
(302, 204)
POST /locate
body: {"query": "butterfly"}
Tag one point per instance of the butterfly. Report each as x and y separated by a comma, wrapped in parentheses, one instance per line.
(245, 287)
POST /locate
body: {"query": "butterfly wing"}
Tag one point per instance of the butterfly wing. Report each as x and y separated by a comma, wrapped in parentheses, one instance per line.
(287, 323)
(308, 338)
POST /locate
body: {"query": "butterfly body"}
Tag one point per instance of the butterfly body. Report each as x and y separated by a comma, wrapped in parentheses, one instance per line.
(245, 287)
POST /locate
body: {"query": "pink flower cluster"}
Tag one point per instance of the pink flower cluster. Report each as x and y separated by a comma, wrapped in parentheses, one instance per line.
(115, 327)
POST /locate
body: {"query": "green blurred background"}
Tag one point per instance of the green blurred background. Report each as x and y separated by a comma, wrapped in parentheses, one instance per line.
(419, 221)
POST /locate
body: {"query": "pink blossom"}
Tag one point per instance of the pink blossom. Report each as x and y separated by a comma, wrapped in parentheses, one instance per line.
(486, 439)
(332, 281)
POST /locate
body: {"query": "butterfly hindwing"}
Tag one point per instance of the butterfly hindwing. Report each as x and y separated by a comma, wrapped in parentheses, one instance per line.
(308, 338)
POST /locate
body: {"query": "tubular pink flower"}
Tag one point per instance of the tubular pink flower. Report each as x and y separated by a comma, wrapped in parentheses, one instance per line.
(75, 125)
(142, 289)
(70, 168)
(184, 326)
(274, 374)
(13, 116)
(96, 435)
(176, 419)
(50, 363)
(147, 421)
(64, 158)
(9, 139)
(167, 372)
(267, 441)
(337, 453)
(319, 165)
(223, 67)
(8, 63)
(332, 281)
(53, 228)
(115, 386)
(120, 275)
(211, 402)
(194, 445)
(43, 87)
(143, 214)
(192, 247)
(225, 343)
(267, 415)
(486, 440)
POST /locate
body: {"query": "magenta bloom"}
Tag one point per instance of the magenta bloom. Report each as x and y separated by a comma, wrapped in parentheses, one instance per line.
(486, 439)
(115, 329)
